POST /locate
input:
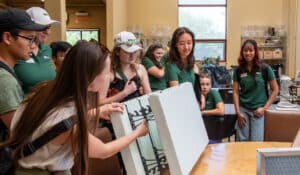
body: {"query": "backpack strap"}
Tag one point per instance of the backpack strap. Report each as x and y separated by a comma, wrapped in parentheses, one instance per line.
(264, 72)
(56, 130)
(2, 125)
(197, 88)
(4, 66)
(238, 74)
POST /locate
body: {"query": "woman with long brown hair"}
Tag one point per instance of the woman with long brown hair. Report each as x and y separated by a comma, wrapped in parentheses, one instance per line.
(84, 72)
(180, 66)
(250, 94)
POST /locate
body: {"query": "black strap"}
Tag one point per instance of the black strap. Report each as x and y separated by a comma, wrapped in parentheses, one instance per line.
(4, 66)
(56, 130)
(123, 76)
(8, 69)
(197, 88)
(264, 72)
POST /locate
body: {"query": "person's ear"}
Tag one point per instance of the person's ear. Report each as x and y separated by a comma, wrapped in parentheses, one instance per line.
(7, 38)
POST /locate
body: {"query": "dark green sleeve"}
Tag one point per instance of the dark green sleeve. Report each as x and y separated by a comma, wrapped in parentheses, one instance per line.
(147, 63)
(234, 76)
(217, 97)
(171, 72)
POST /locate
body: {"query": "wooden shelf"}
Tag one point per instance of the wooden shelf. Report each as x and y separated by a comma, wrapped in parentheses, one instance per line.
(272, 59)
(270, 46)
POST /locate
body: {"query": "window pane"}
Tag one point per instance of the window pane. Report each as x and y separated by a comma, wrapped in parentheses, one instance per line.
(205, 22)
(91, 34)
(73, 36)
(205, 50)
(202, 2)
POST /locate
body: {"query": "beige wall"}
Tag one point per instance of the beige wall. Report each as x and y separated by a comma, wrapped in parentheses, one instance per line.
(155, 12)
(116, 19)
(96, 19)
(57, 11)
(243, 12)
(293, 43)
(297, 38)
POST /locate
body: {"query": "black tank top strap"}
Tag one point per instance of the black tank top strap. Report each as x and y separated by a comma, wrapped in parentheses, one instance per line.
(123, 76)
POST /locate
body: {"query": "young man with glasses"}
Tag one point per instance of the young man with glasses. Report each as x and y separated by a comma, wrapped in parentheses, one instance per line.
(17, 34)
(39, 67)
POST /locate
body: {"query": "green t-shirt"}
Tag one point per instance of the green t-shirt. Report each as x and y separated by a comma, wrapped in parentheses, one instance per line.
(35, 70)
(173, 73)
(11, 93)
(252, 94)
(213, 97)
(155, 83)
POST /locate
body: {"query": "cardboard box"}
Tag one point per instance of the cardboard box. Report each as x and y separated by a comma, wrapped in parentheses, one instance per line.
(277, 53)
(268, 54)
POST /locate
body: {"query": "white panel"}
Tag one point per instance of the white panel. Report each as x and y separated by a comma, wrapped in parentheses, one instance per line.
(130, 156)
(145, 156)
(180, 124)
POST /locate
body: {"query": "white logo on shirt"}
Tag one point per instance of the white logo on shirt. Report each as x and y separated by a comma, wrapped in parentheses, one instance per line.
(30, 60)
(244, 75)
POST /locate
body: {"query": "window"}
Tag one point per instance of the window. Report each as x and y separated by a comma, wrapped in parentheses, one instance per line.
(73, 35)
(207, 19)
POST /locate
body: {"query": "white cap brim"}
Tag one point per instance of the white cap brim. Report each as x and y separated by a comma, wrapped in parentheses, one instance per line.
(131, 49)
(51, 22)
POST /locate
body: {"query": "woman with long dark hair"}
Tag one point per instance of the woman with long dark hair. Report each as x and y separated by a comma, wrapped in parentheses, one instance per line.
(180, 64)
(84, 72)
(180, 59)
(250, 94)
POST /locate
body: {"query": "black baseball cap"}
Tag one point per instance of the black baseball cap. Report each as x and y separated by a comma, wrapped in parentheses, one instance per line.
(14, 18)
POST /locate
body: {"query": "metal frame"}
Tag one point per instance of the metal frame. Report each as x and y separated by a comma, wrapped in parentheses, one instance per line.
(262, 155)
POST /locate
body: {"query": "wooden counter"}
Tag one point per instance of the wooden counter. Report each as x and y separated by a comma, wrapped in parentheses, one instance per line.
(235, 158)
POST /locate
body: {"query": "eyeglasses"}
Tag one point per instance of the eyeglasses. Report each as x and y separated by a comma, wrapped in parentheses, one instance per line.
(131, 42)
(31, 40)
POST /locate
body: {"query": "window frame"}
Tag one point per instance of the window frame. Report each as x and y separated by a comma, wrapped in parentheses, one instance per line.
(224, 41)
(85, 30)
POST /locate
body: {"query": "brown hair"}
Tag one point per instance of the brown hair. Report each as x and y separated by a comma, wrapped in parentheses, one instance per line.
(82, 64)
(115, 60)
(204, 75)
(150, 53)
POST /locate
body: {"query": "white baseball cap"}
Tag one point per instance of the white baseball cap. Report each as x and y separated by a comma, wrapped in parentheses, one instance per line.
(41, 16)
(127, 41)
